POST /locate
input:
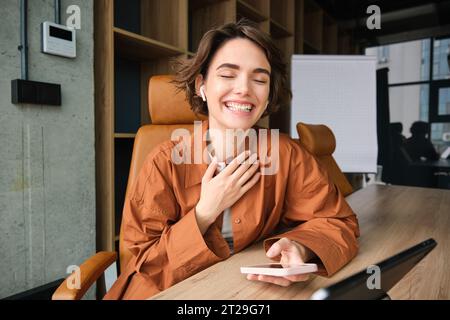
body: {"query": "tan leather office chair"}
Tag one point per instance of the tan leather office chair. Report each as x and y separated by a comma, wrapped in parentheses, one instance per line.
(319, 140)
(169, 111)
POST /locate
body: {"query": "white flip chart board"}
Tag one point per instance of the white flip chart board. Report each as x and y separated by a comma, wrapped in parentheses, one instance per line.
(340, 92)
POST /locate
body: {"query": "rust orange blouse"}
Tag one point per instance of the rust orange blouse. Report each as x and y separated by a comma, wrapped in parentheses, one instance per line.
(161, 231)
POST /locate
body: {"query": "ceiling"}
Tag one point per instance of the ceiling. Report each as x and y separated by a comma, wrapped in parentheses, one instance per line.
(401, 20)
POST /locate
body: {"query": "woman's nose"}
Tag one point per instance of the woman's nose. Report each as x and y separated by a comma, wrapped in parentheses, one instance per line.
(241, 86)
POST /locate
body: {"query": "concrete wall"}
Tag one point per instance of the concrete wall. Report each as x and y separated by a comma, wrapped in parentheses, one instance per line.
(47, 159)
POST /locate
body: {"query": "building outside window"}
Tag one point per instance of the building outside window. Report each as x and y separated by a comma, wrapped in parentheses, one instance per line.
(410, 86)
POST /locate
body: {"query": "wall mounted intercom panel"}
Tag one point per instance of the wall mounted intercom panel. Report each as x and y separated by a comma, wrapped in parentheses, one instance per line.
(58, 40)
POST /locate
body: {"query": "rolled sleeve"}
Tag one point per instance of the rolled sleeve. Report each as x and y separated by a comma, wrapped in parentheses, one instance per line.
(334, 246)
(187, 247)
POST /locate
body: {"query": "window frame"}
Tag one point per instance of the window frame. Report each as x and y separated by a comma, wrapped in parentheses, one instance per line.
(433, 87)
(433, 106)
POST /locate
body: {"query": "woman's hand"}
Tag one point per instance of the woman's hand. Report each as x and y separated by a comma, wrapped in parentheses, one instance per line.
(222, 191)
(290, 252)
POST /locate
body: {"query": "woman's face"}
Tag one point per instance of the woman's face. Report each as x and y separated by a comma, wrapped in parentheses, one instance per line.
(237, 85)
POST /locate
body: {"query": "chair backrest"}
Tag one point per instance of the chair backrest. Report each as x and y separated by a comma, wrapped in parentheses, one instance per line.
(319, 140)
(169, 110)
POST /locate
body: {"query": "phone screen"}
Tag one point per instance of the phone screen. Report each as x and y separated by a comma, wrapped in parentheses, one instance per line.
(275, 266)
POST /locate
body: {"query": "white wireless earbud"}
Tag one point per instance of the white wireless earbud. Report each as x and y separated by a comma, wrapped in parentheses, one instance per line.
(202, 92)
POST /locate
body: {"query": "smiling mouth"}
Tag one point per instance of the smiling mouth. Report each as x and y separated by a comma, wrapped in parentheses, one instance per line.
(239, 107)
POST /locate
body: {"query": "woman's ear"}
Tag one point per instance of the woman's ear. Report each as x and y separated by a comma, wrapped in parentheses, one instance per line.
(198, 84)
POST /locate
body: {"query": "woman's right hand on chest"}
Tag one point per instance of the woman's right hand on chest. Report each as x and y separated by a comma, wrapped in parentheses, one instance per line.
(223, 190)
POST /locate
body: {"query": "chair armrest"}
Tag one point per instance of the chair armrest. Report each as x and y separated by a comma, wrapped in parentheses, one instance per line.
(90, 271)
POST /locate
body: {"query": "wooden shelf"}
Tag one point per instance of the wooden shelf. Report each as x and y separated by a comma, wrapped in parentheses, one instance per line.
(196, 4)
(136, 47)
(282, 14)
(344, 46)
(278, 31)
(247, 10)
(313, 24)
(298, 27)
(205, 15)
(125, 135)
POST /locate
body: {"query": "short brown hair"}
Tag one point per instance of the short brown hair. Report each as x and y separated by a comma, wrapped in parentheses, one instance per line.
(188, 70)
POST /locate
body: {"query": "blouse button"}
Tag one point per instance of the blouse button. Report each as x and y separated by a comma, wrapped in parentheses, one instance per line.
(237, 220)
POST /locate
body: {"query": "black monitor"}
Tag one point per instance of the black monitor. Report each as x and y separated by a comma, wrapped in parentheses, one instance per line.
(391, 270)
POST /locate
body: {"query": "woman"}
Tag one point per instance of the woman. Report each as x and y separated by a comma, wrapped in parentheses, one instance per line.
(184, 217)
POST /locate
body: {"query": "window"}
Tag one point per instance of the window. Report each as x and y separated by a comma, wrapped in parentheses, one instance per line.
(441, 60)
(444, 101)
(408, 104)
(383, 54)
(407, 61)
(440, 136)
(413, 95)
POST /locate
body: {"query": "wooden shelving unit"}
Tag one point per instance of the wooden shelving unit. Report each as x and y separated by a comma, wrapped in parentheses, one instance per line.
(136, 39)
(124, 135)
(330, 35)
(344, 46)
(313, 26)
(204, 15)
(140, 48)
(282, 29)
(282, 15)
(299, 26)
(248, 10)
(279, 31)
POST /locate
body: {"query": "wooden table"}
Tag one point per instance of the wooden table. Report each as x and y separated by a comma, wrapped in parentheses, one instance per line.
(392, 218)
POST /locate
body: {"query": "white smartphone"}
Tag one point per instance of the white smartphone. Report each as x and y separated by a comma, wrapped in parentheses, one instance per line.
(279, 270)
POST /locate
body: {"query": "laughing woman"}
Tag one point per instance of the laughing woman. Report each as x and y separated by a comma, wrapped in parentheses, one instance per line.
(182, 218)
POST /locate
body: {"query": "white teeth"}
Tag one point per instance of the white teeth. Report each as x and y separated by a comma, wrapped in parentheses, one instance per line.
(239, 107)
